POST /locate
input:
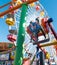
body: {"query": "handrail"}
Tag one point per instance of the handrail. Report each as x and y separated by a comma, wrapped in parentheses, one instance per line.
(48, 44)
(16, 7)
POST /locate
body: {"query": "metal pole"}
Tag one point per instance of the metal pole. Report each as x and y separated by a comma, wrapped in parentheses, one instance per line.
(42, 58)
(53, 31)
(37, 53)
(20, 39)
(48, 44)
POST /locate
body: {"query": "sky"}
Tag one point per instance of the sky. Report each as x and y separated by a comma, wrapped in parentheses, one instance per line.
(51, 8)
(49, 5)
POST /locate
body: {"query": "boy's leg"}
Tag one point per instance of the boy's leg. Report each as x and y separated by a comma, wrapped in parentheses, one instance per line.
(30, 38)
(36, 35)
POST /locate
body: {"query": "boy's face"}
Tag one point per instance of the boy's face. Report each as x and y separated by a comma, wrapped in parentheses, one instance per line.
(34, 27)
(37, 22)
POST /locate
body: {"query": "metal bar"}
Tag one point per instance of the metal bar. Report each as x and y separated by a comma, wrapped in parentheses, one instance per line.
(53, 31)
(16, 7)
(48, 44)
(32, 60)
(41, 58)
(42, 41)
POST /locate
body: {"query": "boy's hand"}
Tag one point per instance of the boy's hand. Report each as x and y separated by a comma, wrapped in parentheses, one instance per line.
(45, 36)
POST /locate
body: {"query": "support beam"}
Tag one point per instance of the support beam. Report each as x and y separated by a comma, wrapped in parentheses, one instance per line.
(48, 44)
(21, 37)
(16, 7)
(51, 27)
(53, 31)
(41, 58)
